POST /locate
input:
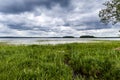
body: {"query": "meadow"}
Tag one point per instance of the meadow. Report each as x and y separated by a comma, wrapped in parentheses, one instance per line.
(74, 61)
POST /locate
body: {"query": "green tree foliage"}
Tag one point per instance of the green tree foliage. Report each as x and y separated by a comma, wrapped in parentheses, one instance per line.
(111, 13)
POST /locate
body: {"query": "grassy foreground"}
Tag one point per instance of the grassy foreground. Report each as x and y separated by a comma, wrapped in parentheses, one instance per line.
(76, 61)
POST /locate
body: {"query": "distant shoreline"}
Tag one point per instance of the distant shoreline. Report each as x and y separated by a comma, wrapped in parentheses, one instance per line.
(56, 37)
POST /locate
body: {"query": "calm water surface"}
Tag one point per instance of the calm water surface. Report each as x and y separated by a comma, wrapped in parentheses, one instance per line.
(51, 40)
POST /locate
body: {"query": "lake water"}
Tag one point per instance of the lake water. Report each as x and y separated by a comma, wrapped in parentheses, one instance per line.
(51, 40)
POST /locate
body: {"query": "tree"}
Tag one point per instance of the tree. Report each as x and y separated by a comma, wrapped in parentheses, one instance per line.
(111, 13)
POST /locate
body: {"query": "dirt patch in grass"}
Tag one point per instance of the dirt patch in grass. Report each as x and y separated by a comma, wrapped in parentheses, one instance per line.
(117, 49)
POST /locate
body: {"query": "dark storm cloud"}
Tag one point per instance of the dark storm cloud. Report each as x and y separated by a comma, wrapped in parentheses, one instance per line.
(18, 6)
(19, 27)
(87, 25)
(93, 25)
(22, 26)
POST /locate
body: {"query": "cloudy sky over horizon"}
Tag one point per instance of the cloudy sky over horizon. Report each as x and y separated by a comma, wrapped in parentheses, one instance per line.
(52, 18)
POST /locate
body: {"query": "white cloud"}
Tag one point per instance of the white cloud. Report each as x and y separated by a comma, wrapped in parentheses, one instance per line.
(80, 18)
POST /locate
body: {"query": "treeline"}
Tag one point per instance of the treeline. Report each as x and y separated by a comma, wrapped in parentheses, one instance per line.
(84, 36)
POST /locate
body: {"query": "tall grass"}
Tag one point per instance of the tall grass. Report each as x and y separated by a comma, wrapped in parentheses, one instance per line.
(76, 61)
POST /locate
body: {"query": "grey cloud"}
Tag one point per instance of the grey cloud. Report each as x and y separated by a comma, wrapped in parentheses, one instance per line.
(23, 27)
(19, 27)
(18, 6)
(95, 25)
(87, 25)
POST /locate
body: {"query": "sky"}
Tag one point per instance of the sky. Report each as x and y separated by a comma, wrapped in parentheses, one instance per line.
(54, 18)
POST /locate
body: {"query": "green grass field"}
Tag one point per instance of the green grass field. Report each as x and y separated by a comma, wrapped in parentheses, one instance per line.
(76, 61)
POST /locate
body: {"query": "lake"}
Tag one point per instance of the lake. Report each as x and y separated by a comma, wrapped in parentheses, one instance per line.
(51, 40)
